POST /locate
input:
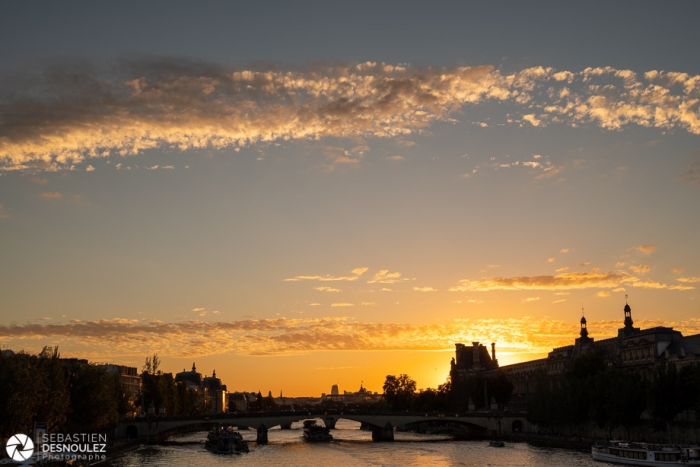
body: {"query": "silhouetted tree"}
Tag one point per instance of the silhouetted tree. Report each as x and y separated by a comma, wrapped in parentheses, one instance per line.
(399, 391)
(665, 398)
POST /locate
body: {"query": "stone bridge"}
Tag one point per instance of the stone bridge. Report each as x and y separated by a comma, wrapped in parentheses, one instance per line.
(477, 424)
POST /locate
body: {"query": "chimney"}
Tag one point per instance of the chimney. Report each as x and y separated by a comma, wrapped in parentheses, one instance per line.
(493, 351)
(475, 354)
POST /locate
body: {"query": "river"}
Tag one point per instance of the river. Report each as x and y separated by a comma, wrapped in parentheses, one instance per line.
(351, 447)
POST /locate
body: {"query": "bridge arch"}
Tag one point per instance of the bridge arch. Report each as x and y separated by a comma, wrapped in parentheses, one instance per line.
(131, 431)
(516, 426)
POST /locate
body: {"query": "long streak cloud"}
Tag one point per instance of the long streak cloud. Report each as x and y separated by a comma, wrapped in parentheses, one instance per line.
(66, 113)
(115, 337)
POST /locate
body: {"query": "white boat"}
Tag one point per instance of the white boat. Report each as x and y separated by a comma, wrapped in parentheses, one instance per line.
(627, 453)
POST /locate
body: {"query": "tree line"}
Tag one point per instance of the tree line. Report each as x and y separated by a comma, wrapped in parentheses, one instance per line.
(44, 389)
(459, 394)
(71, 396)
(613, 398)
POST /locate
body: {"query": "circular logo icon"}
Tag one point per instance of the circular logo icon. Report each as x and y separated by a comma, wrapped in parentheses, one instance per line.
(20, 447)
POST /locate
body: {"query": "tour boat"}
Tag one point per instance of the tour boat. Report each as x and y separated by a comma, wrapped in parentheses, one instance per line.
(628, 453)
(224, 440)
(314, 432)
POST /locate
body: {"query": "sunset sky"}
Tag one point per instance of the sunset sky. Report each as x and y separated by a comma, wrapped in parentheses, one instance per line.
(302, 194)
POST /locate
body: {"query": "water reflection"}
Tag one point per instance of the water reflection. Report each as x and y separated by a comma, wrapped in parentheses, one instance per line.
(352, 447)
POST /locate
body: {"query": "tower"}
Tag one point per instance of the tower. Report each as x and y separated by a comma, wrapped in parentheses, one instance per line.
(584, 330)
(628, 315)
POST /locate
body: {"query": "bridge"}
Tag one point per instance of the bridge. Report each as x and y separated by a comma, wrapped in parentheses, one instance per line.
(476, 424)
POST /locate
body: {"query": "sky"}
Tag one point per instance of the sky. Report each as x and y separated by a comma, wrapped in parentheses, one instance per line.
(302, 194)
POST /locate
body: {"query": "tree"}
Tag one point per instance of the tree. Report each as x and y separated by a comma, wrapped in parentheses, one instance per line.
(665, 398)
(618, 399)
(93, 402)
(399, 391)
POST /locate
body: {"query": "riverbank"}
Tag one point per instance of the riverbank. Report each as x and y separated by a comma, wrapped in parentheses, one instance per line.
(575, 443)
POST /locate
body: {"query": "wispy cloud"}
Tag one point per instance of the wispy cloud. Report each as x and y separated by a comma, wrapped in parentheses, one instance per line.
(692, 175)
(326, 289)
(689, 280)
(564, 281)
(640, 269)
(327, 278)
(386, 277)
(66, 113)
(114, 337)
(646, 249)
(425, 289)
(50, 195)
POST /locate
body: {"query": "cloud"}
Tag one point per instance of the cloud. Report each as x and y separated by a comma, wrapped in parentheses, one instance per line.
(50, 195)
(76, 110)
(550, 260)
(89, 168)
(326, 289)
(386, 277)
(564, 269)
(532, 120)
(425, 289)
(640, 269)
(564, 281)
(678, 270)
(564, 250)
(106, 338)
(530, 299)
(603, 294)
(39, 180)
(357, 273)
(342, 304)
(692, 175)
(368, 303)
(689, 280)
(646, 249)
(396, 158)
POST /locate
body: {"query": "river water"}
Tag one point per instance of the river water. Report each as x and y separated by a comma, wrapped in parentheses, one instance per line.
(351, 447)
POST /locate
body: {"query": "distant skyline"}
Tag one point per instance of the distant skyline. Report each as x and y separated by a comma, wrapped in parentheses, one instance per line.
(310, 193)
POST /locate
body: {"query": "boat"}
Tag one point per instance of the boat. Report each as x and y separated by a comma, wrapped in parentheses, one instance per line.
(496, 443)
(316, 433)
(630, 453)
(225, 440)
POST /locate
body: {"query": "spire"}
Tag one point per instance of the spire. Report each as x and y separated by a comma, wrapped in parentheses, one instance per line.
(194, 368)
(213, 375)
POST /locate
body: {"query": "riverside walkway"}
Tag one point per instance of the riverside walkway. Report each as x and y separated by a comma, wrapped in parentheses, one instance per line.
(478, 424)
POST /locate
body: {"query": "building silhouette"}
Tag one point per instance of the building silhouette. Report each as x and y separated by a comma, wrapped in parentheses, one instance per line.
(633, 348)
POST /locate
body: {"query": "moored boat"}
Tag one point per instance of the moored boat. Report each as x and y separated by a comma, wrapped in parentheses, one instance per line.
(628, 453)
(316, 433)
(225, 440)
